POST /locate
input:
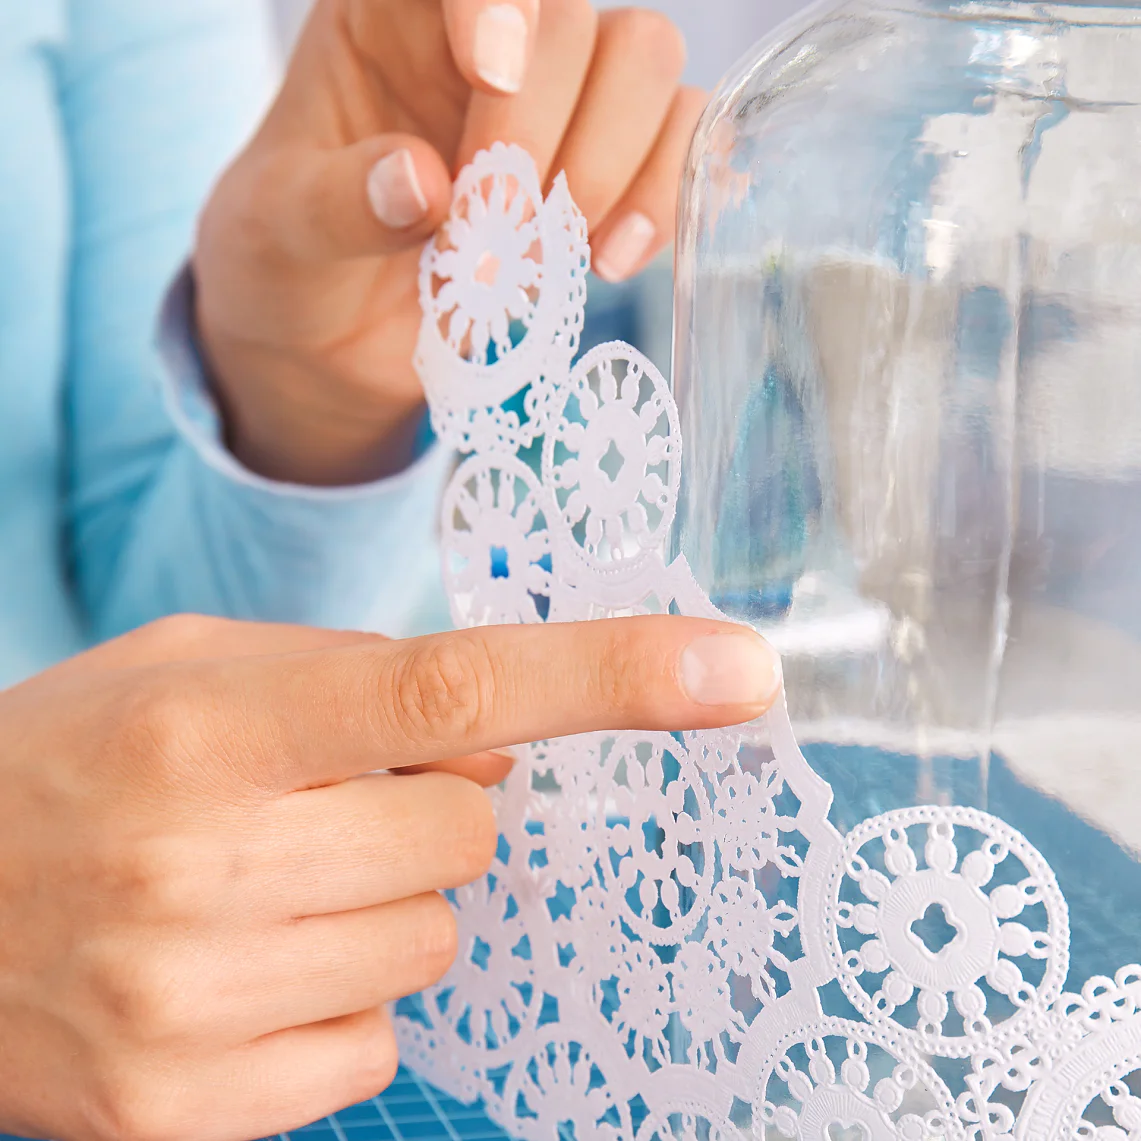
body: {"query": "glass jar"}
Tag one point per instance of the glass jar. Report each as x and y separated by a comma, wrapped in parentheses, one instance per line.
(908, 364)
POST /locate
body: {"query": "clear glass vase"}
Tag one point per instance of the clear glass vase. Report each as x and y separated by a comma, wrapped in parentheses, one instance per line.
(908, 364)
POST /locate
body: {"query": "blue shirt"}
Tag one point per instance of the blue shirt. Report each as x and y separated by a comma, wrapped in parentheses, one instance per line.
(118, 503)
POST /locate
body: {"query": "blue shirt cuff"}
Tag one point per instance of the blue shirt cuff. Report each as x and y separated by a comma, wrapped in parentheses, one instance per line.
(195, 412)
(225, 540)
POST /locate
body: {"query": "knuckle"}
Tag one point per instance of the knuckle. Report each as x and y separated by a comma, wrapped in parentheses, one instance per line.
(649, 35)
(157, 724)
(182, 632)
(143, 996)
(365, 23)
(131, 1104)
(611, 675)
(443, 689)
(627, 670)
(160, 879)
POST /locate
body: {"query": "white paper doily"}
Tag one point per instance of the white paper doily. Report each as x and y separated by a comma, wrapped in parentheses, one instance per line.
(657, 950)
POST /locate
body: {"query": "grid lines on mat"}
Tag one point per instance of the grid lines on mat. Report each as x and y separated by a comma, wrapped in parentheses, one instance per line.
(409, 1110)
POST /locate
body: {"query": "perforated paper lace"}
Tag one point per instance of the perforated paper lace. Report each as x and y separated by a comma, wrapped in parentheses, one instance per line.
(674, 940)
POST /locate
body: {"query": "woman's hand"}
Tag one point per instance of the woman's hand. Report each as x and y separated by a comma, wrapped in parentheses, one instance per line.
(307, 258)
(204, 904)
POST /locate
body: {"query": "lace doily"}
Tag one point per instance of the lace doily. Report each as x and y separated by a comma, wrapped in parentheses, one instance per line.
(674, 941)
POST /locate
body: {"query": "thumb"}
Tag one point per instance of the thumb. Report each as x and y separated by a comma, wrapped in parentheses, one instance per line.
(380, 196)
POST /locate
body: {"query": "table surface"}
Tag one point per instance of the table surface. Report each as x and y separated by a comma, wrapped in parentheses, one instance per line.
(409, 1110)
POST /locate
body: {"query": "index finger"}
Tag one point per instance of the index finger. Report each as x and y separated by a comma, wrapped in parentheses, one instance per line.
(491, 41)
(318, 718)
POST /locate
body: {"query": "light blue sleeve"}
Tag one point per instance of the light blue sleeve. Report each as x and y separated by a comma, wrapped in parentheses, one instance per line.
(156, 97)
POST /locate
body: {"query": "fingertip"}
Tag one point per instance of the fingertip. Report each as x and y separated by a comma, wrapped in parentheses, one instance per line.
(492, 42)
(626, 247)
(672, 672)
(641, 226)
(380, 196)
(394, 191)
(691, 103)
(731, 668)
(491, 768)
(408, 187)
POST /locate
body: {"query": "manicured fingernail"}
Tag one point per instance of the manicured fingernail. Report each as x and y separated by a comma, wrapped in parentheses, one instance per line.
(395, 193)
(623, 252)
(731, 669)
(501, 47)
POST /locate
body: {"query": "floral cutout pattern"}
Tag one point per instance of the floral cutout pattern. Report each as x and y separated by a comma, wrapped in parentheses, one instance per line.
(675, 941)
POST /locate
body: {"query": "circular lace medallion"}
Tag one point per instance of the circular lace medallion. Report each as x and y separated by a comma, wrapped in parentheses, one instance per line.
(502, 288)
(561, 1085)
(840, 1080)
(1089, 1089)
(936, 917)
(497, 551)
(613, 462)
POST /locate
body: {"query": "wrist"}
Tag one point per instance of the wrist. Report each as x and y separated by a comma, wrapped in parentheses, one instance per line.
(294, 421)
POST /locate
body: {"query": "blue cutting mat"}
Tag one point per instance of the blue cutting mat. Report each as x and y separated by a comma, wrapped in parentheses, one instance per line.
(409, 1110)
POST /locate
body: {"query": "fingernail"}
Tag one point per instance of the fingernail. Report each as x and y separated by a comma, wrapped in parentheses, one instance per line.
(501, 47)
(625, 249)
(394, 191)
(731, 669)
